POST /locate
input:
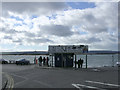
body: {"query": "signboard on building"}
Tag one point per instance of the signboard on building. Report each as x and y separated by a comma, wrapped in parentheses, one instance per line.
(68, 49)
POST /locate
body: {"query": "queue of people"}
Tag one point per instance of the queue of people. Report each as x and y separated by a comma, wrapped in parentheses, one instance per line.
(80, 63)
(42, 61)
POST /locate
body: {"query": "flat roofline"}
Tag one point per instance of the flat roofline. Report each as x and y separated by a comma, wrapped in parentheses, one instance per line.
(93, 52)
(68, 45)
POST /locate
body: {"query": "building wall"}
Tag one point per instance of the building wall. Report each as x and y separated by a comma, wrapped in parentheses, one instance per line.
(64, 60)
(68, 49)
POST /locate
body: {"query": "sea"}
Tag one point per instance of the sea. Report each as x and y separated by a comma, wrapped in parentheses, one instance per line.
(92, 60)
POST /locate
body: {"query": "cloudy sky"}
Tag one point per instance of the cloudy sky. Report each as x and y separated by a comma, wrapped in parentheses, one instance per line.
(27, 26)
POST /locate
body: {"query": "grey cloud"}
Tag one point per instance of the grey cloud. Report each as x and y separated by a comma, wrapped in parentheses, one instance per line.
(119, 22)
(7, 37)
(11, 31)
(113, 39)
(0, 9)
(119, 35)
(17, 41)
(94, 24)
(96, 28)
(57, 30)
(88, 40)
(105, 46)
(95, 20)
(29, 34)
(38, 41)
(79, 40)
(32, 7)
(93, 39)
(89, 17)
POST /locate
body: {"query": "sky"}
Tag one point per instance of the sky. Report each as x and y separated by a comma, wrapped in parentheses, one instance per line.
(30, 26)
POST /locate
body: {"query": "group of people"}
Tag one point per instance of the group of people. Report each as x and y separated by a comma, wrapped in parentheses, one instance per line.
(42, 61)
(80, 63)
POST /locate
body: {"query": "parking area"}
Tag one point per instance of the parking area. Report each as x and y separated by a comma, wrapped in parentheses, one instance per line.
(32, 76)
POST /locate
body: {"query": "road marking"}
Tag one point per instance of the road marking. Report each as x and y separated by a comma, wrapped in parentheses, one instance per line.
(75, 86)
(45, 84)
(80, 86)
(19, 83)
(19, 76)
(103, 83)
(10, 84)
(86, 86)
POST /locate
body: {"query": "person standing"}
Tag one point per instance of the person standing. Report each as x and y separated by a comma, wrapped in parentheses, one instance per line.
(35, 60)
(44, 61)
(40, 60)
(82, 63)
(47, 59)
(79, 63)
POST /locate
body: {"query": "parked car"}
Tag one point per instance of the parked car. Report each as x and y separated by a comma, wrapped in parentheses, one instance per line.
(12, 61)
(23, 62)
(118, 64)
(3, 61)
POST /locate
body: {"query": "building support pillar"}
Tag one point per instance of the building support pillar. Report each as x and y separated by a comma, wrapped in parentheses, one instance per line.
(52, 60)
(75, 60)
(86, 61)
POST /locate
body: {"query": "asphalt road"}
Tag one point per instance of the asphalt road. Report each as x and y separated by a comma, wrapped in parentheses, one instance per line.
(33, 76)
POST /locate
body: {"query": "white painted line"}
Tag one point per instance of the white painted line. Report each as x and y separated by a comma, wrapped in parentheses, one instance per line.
(75, 86)
(19, 76)
(19, 83)
(10, 84)
(103, 83)
(80, 86)
(42, 83)
(91, 87)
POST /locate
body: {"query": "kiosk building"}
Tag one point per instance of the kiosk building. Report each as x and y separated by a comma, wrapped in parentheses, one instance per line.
(65, 55)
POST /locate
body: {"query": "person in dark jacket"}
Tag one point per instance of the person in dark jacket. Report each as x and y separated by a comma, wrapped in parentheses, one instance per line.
(40, 60)
(82, 62)
(79, 63)
(47, 59)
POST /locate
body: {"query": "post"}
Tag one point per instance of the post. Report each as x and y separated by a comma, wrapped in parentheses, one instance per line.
(86, 61)
(52, 60)
(112, 60)
(62, 64)
(75, 60)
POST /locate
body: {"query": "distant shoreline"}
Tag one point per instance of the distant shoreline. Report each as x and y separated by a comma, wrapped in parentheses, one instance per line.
(47, 53)
(24, 54)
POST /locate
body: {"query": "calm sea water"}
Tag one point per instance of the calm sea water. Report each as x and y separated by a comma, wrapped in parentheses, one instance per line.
(100, 60)
(93, 60)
